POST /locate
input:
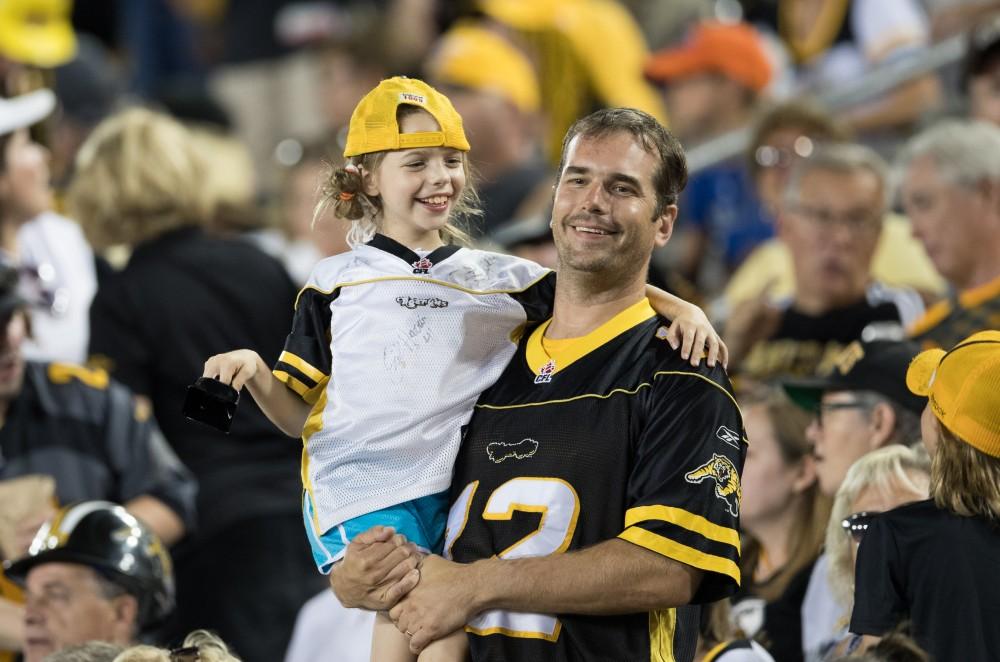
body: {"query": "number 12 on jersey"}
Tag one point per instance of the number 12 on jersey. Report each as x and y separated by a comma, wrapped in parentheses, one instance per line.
(559, 506)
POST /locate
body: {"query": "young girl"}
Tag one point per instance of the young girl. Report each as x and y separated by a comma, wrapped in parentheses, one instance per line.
(392, 342)
(934, 563)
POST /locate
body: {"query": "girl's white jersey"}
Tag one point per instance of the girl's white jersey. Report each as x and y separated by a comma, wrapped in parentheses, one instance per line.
(392, 350)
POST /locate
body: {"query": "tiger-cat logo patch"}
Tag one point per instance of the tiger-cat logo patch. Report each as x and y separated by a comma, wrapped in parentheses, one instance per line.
(722, 471)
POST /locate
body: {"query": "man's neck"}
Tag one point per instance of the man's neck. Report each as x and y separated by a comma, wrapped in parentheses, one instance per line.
(820, 304)
(583, 302)
(982, 274)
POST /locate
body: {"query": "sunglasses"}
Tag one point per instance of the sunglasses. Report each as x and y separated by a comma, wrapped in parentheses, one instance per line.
(185, 654)
(856, 525)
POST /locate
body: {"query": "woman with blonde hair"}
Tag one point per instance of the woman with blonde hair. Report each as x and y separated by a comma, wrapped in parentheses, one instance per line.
(186, 293)
(879, 481)
(783, 514)
(935, 562)
(199, 646)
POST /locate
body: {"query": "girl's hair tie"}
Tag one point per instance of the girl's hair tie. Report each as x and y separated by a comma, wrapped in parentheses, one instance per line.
(346, 196)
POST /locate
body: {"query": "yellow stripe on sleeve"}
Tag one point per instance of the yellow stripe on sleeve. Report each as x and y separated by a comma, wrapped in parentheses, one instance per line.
(291, 383)
(299, 364)
(678, 552)
(684, 519)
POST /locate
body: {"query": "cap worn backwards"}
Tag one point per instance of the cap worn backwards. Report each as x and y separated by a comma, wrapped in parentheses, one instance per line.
(963, 388)
(374, 127)
(878, 365)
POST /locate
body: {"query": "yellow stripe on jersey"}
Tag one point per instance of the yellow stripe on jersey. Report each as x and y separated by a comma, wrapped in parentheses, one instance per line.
(310, 395)
(520, 634)
(684, 519)
(434, 281)
(714, 653)
(629, 318)
(313, 425)
(291, 382)
(302, 366)
(662, 628)
(675, 550)
(605, 396)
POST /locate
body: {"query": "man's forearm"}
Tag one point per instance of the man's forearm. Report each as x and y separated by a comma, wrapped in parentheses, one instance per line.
(613, 577)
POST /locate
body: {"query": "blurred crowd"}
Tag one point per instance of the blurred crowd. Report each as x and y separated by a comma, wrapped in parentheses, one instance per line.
(159, 168)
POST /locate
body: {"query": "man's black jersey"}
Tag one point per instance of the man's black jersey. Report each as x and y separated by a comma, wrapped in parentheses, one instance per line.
(612, 435)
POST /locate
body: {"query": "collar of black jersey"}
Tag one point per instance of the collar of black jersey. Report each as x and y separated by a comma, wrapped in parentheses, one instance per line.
(389, 245)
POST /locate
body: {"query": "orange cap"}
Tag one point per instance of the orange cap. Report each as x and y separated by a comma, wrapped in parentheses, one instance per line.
(963, 386)
(733, 50)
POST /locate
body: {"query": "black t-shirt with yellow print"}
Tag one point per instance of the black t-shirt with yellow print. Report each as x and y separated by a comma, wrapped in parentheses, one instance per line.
(609, 435)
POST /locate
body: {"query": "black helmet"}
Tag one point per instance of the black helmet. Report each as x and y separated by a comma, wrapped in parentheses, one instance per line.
(106, 537)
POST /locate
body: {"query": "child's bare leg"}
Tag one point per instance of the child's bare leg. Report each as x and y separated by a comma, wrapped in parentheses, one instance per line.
(453, 648)
(388, 643)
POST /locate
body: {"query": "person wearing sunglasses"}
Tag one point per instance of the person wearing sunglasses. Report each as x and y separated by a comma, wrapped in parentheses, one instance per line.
(859, 403)
(879, 481)
(934, 562)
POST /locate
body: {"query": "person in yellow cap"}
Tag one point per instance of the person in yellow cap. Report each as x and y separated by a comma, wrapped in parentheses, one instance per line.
(934, 563)
(393, 341)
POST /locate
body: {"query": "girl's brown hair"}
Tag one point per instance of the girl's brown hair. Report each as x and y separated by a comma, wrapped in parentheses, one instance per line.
(342, 191)
(964, 480)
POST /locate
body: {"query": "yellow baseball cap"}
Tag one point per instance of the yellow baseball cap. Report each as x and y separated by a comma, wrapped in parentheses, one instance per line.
(37, 32)
(480, 59)
(374, 128)
(963, 387)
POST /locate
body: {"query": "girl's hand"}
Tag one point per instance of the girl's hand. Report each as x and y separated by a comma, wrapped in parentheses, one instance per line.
(235, 368)
(694, 335)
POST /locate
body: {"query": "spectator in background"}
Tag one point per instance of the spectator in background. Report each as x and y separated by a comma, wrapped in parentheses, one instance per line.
(832, 219)
(783, 135)
(348, 68)
(720, 641)
(576, 72)
(303, 238)
(951, 191)
(58, 269)
(711, 85)
(981, 71)
(879, 481)
(184, 295)
(94, 572)
(831, 44)
(493, 86)
(323, 625)
(859, 404)
(918, 557)
(68, 433)
(783, 513)
(88, 88)
(711, 82)
(59, 265)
